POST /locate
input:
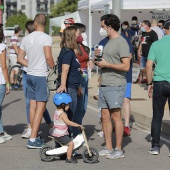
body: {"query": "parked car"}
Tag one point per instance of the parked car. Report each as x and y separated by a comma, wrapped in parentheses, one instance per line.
(9, 31)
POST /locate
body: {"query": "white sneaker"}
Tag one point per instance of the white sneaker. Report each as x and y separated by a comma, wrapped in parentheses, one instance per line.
(26, 134)
(6, 136)
(2, 140)
(101, 134)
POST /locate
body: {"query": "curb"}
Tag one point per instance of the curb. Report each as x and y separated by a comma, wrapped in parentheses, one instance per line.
(139, 118)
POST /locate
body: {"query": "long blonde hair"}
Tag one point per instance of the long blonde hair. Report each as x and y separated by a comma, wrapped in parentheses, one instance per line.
(69, 37)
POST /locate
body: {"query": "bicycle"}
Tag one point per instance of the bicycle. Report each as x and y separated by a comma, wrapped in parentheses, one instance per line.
(17, 78)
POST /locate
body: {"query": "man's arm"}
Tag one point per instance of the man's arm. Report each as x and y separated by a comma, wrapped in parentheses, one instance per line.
(48, 56)
(21, 58)
(124, 66)
(149, 77)
(139, 50)
(149, 71)
(15, 48)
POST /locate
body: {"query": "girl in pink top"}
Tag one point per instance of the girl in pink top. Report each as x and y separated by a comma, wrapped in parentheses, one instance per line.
(61, 123)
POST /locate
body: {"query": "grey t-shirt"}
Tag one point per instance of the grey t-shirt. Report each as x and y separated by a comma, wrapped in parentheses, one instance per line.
(114, 50)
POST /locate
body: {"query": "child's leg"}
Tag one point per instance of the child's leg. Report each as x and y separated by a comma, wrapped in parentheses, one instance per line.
(70, 149)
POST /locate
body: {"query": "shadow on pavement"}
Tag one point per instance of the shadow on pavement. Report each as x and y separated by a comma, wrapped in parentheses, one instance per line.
(6, 105)
(89, 130)
(162, 142)
(15, 129)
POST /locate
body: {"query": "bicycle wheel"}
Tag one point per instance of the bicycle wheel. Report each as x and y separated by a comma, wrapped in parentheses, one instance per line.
(15, 77)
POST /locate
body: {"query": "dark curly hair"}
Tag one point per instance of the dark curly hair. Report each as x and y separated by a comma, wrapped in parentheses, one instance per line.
(112, 21)
(1, 35)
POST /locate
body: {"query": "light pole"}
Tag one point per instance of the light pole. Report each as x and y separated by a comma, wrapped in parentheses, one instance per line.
(116, 7)
(1, 8)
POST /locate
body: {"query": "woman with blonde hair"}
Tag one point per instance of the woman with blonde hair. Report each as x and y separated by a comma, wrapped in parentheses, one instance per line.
(4, 85)
(69, 67)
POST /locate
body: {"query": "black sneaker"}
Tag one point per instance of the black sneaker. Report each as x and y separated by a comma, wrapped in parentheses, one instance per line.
(77, 155)
(71, 160)
(154, 150)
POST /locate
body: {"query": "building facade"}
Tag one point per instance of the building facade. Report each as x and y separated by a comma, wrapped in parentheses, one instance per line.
(29, 7)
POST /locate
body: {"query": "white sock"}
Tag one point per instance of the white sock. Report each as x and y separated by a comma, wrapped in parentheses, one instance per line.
(126, 125)
(32, 139)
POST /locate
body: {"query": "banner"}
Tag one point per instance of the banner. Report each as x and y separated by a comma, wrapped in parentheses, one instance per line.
(135, 72)
(161, 15)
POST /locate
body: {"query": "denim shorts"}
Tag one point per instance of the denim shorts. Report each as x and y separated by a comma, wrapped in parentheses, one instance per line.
(143, 61)
(111, 96)
(128, 90)
(37, 88)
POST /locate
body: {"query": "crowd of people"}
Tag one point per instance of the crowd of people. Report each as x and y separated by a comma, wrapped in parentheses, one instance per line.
(142, 42)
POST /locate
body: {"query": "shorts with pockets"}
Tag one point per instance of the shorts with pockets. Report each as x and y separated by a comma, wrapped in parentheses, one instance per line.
(128, 90)
(37, 88)
(111, 97)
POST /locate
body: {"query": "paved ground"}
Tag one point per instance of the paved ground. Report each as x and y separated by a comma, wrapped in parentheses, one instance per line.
(15, 155)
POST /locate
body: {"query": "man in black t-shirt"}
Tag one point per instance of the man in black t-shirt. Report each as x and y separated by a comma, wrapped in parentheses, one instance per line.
(148, 37)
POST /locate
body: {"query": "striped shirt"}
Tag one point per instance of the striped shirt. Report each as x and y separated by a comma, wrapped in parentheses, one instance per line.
(14, 40)
(60, 128)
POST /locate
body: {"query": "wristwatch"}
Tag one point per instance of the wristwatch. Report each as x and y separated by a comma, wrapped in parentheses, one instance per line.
(148, 84)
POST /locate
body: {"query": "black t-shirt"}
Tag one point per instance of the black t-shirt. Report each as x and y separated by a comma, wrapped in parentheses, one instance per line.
(67, 56)
(147, 39)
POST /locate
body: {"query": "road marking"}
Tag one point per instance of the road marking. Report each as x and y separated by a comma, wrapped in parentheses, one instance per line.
(135, 126)
(92, 108)
(148, 132)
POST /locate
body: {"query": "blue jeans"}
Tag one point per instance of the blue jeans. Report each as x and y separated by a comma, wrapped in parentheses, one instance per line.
(2, 96)
(73, 93)
(46, 114)
(143, 61)
(81, 104)
(161, 92)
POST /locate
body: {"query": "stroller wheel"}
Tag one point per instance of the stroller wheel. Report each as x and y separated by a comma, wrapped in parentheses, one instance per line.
(44, 156)
(90, 159)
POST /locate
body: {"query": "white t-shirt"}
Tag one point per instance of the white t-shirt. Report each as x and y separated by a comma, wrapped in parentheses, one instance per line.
(2, 79)
(158, 31)
(33, 44)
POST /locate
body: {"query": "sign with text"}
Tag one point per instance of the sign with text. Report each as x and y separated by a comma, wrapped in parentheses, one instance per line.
(135, 72)
(161, 15)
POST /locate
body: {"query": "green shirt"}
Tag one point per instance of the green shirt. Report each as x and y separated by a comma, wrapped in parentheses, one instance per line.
(160, 54)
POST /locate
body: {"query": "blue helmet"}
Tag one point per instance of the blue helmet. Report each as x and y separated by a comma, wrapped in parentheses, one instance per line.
(61, 98)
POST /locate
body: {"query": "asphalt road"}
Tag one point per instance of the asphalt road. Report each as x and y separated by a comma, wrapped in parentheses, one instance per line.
(15, 155)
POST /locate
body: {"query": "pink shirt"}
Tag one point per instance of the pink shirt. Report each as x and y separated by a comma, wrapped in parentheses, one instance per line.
(60, 128)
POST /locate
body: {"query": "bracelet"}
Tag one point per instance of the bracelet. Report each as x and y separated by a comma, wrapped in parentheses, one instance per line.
(7, 84)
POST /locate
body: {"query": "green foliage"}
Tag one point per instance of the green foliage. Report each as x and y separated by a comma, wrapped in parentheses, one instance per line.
(64, 6)
(56, 31)
(19, 19)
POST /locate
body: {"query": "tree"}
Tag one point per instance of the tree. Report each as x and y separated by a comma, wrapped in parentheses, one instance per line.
(19, 19)
(64, 6)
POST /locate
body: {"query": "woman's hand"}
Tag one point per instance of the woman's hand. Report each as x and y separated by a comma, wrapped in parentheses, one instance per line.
(79, 92)
(61, 89)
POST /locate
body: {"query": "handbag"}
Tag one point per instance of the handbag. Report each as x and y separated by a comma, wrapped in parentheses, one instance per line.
(52, 78)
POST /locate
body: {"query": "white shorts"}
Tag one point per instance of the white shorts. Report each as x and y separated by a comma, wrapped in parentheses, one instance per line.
(13, 60)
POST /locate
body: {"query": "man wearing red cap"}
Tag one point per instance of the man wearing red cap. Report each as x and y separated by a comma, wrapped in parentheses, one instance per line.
(67, 23)
(159, 84)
